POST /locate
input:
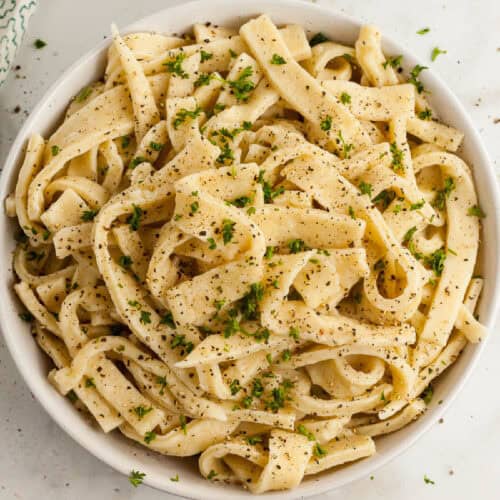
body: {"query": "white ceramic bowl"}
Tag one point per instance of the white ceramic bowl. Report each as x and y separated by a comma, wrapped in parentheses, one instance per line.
(116, 450)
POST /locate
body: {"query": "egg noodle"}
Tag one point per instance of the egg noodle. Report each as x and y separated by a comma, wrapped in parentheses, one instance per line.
(249, 247)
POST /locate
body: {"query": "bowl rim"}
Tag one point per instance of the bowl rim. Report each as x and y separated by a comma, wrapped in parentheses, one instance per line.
(44, 393)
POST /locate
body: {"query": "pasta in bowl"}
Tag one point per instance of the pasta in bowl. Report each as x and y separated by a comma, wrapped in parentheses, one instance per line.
(249, 247)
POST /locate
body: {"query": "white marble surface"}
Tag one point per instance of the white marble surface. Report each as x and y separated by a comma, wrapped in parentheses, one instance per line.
(461, 454)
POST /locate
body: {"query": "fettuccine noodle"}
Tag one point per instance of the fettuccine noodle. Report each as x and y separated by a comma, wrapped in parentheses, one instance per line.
(249, 249)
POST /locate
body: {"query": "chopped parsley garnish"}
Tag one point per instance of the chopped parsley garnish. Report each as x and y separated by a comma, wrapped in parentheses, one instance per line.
(294, 332)
(286, 355)
(417, 206)
(89, 382)
(232, 53)
(203, 79)
(211, 474)
(308, 434)
(242, 201)
(345, 98)
(26, 316)
(134, 220)
(318, 38)
(149, 436)
(136, 161)
(269, 192)
(365, 188)
(409, 234)
(175, 479)
(476, 211)
(415, 72)
(136, 478)
(352, 213)
(297, 246)
(39, 44)
(125, 261)
(253, 440)
(393, 62)
(269, 253)
(227, 230)
(162, 381)
(436, 261)
(226, 155)
(423, 31)
(385, 198)
(34, 256)
(183, 422)
(168, 319)
(428, 481)
(125, 141)
(234, 386)
(319, 451)
(279, 396)
(426, 114)
(55, 150)
(145, 317)
(346, 148)
(277, 59)
(183, 114)
(175, 65)
(194, 207)
(436, 51)
(141, 411)
(211, 244)
(242, 86)
(156, 146)
(89, 215)
(205, 56)
(326, 124)
(83, 94)
(442, 194)
(397, 157)
(250, 302)
(427, 394)
(180, 341)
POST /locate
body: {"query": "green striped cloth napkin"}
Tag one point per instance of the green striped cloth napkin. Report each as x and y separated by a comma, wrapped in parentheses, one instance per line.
(14, 16)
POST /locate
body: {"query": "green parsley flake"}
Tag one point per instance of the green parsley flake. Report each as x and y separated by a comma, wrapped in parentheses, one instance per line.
(427, 394)
(346, 148)
(345, 98)
(242, 86)
(227, 230)
(436, 51)
(476, 211)
(205, 56)
(145, 317)
(277, 59)
(136, 478)
(168, 319)
(415, 72)
(365, 188)
(318, 38)
(134, 220)
(125, 261)
(175, 65)
(39, 44)
(180, 341)
(326, 124)
(440, 199)
(83, 94)
(55, 150)
(156, 146)
(423, 31)
(203, 79)
(428, 481)
(149, 436)
(183, 114)
(426, 114)
(141, 411)
(136, 161)
(393, 62)
(89, 215)
(397, 158)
